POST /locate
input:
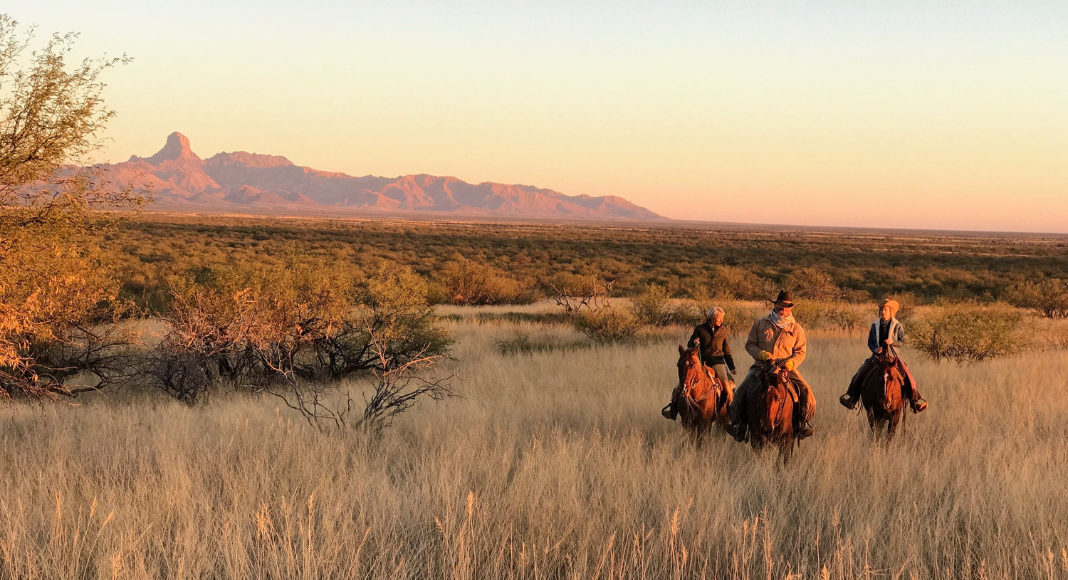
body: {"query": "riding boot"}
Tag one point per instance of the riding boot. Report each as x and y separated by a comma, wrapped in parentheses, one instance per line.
(736, 430)
(918, 405)
(801, 425)
(852, 395)
(669, 411)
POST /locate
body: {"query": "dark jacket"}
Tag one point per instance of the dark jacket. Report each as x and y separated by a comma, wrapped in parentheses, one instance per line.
(715, 346)
(895, 331)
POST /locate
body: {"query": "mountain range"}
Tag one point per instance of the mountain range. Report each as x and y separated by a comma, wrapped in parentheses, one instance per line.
(254, 183)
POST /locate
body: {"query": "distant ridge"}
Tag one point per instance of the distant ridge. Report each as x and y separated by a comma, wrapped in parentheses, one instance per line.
(254, 183)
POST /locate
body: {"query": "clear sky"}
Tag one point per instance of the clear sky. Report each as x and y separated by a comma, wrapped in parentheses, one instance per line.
(896, 114)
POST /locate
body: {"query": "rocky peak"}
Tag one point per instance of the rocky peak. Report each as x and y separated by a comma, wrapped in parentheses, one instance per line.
(177, 147)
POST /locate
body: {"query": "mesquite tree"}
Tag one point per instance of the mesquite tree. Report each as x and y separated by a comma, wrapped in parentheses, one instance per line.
(58, 313)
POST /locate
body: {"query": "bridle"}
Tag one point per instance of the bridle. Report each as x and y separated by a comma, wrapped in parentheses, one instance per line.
(688, 385)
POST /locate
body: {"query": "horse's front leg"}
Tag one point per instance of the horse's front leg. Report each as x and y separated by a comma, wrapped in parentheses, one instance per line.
(786, 447)
(895, 419)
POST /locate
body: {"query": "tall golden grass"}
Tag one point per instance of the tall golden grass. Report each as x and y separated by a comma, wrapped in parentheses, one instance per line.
(551, 465)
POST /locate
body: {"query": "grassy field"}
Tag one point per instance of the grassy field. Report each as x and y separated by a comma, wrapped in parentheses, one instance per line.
(551, 465)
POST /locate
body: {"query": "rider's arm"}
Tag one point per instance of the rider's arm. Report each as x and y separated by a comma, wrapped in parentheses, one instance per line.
(751, 342)
(899, 334)
(800, 347)
(873, 338)
(693, 337)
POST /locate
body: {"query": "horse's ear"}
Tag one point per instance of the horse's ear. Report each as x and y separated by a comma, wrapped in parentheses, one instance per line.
(682, 349)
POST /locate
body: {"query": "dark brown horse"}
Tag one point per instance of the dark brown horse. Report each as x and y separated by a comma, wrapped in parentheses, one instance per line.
(703, 399)
(771, 411)
(882, 394)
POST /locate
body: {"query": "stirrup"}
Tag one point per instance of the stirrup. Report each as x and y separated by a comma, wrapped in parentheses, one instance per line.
(736, 430)
(669, 412)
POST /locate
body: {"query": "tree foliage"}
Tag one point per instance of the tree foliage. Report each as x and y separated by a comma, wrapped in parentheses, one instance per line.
(57, 295)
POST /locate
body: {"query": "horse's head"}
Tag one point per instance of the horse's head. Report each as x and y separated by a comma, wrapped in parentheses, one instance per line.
(773, 398)
(689, 365)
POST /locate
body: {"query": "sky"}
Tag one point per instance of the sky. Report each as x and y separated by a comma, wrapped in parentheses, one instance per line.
(941, 115)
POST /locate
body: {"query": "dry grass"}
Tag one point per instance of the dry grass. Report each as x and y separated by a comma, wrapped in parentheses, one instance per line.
(553, 465)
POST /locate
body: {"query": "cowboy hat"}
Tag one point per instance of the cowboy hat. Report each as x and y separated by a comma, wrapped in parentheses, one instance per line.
(785, 298)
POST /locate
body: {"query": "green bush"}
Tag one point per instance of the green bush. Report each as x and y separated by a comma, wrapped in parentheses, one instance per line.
(812, 284)
(467, 282)
(608, 325)
(1050, 297)
(653, 307)
(836, 315)
(967, 332)
(733, 283)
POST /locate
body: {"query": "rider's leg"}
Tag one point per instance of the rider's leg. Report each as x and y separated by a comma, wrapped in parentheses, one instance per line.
(852, 395)
(671, 411)
(738, 406)
(806, 404)
(724, 379)
(915, 400)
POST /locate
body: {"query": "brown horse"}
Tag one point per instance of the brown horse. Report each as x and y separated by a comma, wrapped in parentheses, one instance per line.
(882, 394)
(771, 411)
(703, 399)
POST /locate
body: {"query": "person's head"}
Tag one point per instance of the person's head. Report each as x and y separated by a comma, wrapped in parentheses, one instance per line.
(888, 309)
(784, 303)
(716, 315)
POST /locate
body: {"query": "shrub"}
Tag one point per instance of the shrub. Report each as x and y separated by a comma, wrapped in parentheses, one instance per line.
(838, 315)
(733, 283)
(1050, 297)
(301, 321)
(608, 325)
(653, 307)
(967, 332)
(467, 282)
(812, 284)
(573, 292)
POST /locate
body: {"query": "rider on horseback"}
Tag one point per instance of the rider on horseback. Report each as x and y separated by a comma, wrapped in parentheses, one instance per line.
(885, 333)
(776, 338)
(715, 353)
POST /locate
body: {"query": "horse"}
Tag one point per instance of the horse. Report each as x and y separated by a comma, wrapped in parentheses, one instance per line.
(770, 413)
(704, 399)
(882, 394)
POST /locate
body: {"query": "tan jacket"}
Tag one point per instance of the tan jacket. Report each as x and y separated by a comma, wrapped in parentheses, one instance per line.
(782, 343)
